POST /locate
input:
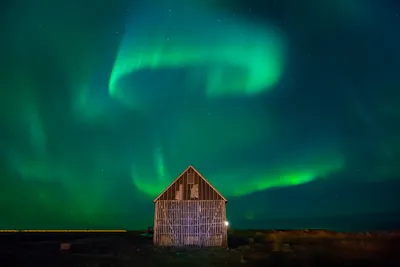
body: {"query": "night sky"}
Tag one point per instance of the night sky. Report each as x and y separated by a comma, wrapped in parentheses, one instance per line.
(291, 109)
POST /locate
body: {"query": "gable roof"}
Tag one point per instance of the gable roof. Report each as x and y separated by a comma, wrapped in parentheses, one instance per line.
(201, 176)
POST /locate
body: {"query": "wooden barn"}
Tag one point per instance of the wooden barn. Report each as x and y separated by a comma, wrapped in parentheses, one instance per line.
(190, 212)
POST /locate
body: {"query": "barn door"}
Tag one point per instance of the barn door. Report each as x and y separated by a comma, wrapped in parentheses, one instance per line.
(167, 228)
(215, 228)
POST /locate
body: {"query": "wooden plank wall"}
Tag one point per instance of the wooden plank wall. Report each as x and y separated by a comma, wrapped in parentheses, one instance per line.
(190, 223)
(206, 192)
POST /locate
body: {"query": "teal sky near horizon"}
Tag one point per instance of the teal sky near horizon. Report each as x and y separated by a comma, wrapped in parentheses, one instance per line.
(279, 105)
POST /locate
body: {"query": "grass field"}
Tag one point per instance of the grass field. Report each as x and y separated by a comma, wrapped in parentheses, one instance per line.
(246, 248)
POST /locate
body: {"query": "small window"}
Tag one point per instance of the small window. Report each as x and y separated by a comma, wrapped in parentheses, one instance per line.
(194, 191)
(190, 178)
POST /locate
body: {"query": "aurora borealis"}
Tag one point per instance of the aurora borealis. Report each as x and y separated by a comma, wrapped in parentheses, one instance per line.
(234, 58)
(291, 110)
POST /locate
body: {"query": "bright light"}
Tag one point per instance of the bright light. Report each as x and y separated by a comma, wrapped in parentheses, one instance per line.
(226, 223)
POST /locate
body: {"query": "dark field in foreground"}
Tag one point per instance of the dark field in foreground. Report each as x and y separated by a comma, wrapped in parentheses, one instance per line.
(247, 248)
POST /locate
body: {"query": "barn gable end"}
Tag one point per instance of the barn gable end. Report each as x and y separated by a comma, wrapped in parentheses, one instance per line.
(190, 212)
(190, 185)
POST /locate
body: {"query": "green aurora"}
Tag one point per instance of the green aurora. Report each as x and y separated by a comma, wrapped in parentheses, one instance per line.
(236, 57)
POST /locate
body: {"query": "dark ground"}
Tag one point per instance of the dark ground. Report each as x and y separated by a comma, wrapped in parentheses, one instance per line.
(247, 248)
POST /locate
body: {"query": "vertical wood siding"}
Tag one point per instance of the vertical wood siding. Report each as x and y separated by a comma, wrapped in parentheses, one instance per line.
(190, 223)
